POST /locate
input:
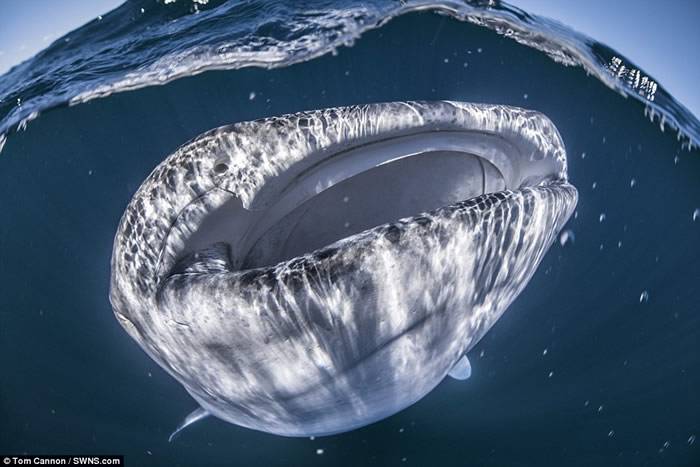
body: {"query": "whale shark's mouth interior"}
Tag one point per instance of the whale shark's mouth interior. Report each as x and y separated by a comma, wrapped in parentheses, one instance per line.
(385, 193)
(336, 194)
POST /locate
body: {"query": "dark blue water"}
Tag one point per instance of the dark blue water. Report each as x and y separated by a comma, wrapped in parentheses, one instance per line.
(596, 363)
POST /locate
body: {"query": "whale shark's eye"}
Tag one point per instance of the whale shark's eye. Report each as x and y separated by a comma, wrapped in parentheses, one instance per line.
(221, 166)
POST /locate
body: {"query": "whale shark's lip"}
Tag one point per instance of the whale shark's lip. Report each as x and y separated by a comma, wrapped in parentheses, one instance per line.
(309, 274)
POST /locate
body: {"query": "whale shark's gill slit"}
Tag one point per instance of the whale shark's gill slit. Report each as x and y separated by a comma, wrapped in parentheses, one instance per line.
(483, 175)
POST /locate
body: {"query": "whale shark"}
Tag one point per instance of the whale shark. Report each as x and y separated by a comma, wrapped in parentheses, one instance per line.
(312, 273)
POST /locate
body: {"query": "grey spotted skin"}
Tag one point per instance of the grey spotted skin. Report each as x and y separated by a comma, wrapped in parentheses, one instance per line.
(233, 269)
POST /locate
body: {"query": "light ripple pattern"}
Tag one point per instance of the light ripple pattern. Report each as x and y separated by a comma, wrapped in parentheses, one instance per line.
(157, 42)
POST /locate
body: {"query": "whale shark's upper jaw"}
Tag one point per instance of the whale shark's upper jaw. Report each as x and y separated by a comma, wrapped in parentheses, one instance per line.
(312, 273)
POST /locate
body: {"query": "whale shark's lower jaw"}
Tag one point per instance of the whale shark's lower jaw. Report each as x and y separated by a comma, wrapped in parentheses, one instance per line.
(324, 270)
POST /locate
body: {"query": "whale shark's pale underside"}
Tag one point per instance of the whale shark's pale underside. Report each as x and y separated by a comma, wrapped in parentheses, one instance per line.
(312, 273)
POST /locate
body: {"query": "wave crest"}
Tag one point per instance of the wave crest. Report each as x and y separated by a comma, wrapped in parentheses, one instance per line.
(142, 44)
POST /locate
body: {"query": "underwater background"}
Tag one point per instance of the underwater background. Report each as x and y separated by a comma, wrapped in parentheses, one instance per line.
(596, 363)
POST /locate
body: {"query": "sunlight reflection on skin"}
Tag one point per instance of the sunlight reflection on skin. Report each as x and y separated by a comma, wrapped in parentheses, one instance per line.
(329, 332)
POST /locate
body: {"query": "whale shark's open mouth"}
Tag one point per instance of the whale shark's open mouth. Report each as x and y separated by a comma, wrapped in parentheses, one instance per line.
(315, 272)
(350, 187)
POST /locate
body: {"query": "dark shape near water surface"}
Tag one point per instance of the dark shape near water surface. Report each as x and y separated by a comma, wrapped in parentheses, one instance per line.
(313, 273)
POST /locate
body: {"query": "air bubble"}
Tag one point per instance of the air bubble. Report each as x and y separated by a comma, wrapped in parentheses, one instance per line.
(644, 297)
(567, 236)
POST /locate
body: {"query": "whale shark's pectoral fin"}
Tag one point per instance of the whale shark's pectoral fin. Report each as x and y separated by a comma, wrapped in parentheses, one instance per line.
(462, 369)
(194, 416)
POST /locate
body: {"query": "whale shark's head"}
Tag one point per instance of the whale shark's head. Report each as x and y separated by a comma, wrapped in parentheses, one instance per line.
(315, 272)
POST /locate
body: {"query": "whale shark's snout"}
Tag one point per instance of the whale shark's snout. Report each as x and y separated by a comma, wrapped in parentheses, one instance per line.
(313, 273)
